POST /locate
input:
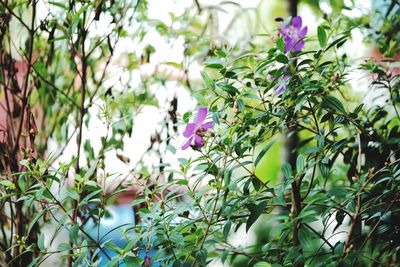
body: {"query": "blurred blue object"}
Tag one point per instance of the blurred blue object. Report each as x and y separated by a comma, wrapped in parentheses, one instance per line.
(121, 219)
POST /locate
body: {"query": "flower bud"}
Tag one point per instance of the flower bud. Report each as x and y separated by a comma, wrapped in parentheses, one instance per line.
(147, 261)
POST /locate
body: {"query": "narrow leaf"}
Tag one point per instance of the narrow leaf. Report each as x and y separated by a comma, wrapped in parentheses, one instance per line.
(300, 163)
(263, 152)
(333, 103)
(321, 36)
(255, 212)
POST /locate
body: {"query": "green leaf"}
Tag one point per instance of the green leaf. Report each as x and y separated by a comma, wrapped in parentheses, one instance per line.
(64, 247)
(133, 261)
(89, 197)
(174, 64)
(333, 103)
(205, 78)
(176, 238)
(132, 242)
(201, 256)
(324, 170)
(113, 247)
(229, 88)
(214, 64)
(177, 263)
(182, 182)
(262, 264)
(227, 229)
(220, 53)
(287, 170)
(337, 42)
(73, 232)
(255, 212)
(300, 163)
(41, 242)
(34, 263)
(171, 148)
(263, 152)
(358, 109)
(256, 183)
(310, 150)
(77, 15)
(22, 183)
(72, 194)
(138, 201)
(91, 183)
(280, 44)
(282, 58)
(321, 36)
(115, 262)
(8, 184)
(59, 4)
(35, 219)
(339, 247)
(60, 38)
(187, 116)
(241, 104)
(225, 255)
(40, 68)
(91, 170)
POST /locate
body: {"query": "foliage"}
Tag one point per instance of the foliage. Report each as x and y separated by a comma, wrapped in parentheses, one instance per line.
(341, 169)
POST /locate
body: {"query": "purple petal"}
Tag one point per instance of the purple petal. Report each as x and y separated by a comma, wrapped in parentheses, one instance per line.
(280, 89)
(207, 125)
(297, 22)
(189, 130)
(198, 141)
(188, 143)
(147, 261)
(201, 116)
(271, 79)
(303, 32)
(288, 44)
(298, 46)
(284, 30)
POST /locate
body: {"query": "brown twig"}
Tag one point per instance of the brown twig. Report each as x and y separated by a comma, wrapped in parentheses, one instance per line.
(26, 82)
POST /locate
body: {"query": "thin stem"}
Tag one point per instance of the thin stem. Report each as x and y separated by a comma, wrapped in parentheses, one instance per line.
(210, 221)
(312, 179)
(379, 221)
(319, 235)
(82, 111)
(26, 82)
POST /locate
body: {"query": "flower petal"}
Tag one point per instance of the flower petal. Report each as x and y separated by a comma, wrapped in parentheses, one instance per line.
(288, 44)
(298, 46)
(188, 143)
(198, 141)
(207, 125)
(189, 130)
(201, 115)
(303, 32)
(280, 89)
(284, 30)
(297, 22)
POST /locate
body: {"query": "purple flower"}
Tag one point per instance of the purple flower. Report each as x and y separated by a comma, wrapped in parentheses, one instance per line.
(147, 261)
(292, 33)
(282, 83)
(195, 131)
